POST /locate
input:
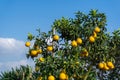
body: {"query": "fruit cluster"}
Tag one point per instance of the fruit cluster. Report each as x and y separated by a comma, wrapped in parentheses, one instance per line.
(62, 76)
(37, 50)
(106, 65)
(82, 44)
(77, 42)
(94, 35)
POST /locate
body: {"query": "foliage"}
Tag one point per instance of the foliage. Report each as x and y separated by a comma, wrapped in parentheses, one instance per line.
(22, 73)
(78, 48)
(77, 61)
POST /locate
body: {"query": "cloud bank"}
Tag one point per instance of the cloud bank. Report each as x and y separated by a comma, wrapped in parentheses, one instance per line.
(12, 54)
(11, 46)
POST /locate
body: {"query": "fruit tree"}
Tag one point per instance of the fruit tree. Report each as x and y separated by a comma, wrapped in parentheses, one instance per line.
(78, 48)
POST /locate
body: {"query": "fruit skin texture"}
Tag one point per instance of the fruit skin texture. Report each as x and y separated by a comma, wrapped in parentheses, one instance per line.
(79, 41)
(94, 34)
(101, 65)
(41, 59)
(49, 48)
(74, 43)
(105, 67)
(66, 77)
(39, 51)
(97, 29)
(55, 37)
(27, 44)
(33, 53)
(110, 65)
(51, 77)
(62, 76)
(91, 39)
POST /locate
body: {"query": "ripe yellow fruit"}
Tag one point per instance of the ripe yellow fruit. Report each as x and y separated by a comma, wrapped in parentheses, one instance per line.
(49, 48)
(113, 67)
(39, 78)
(94, 34)
(101, 65)
(110, 65)
(91, 39)
(55, 37)
(51, 77)
(62, 76)
(105, 67)
(79, 41)
(74, 43)
(66, 77)
(41, 59)
(27, 44)
(97, 29)
(33, 53)
(39, 51)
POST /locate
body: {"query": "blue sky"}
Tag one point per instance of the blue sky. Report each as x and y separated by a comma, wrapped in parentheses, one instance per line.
(18, 17)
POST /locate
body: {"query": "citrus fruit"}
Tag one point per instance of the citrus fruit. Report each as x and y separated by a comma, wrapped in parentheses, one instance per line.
(79, 41)
(27, 44)
(105, 67)
(66, 77)
(33, 53)
(101, 65)
(110, 65)
(51, 77)
(55, 37)
(113, 67)
(39, 51)
(62, 76)
(94, 34)
(49, 48)
(97, 29)
(91, 39)
(74, 43)
(41, 59)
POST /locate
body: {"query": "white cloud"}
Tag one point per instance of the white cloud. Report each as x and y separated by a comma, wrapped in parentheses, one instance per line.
(12, 54)
(11, 46)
